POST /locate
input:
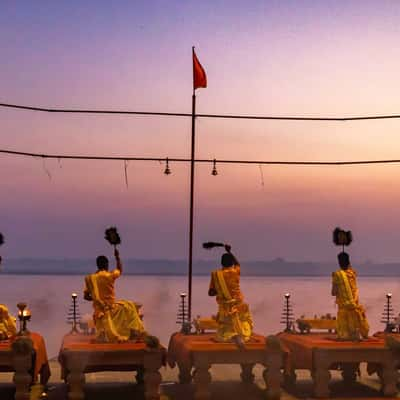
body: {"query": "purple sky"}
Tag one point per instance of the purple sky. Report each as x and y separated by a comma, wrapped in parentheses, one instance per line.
(266, 58)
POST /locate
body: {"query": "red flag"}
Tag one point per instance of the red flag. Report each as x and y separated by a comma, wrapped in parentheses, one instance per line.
(199, 75)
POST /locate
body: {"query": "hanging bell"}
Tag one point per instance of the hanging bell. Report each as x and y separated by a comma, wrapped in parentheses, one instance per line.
(167, 170)
(214, 171)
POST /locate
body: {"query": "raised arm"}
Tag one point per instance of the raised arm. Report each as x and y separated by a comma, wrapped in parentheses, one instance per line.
(118, 260)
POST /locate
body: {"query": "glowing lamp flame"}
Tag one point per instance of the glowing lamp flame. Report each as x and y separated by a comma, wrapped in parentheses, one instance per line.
(24, 314)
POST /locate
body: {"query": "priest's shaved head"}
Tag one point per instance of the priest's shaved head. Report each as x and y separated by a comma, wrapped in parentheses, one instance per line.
(227, 260)
(102, 263)
(344, 260)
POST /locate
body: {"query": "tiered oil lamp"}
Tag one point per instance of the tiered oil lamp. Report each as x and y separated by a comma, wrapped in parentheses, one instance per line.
(74, 314)
(182, 316)
(287, 314)
(388, 314)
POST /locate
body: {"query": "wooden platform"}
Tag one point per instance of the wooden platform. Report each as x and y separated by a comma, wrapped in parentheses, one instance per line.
(320, 353)
(200, 352)
(81, 354)
(225, 385)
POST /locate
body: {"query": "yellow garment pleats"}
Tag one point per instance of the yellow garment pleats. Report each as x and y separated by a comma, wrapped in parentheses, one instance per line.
(114, 323)
(234, 316)
(117, 324)
(7, 323)
(351, 319)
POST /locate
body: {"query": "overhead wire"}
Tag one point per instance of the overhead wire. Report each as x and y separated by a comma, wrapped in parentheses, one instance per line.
(180, 114)
(199, 160)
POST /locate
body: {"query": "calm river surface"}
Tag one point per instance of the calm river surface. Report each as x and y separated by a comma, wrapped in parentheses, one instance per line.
(49, 297)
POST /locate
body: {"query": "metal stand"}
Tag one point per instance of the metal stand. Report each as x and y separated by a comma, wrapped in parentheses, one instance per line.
(287, 314)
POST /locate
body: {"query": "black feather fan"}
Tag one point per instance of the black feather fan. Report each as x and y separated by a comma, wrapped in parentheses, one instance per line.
(112, 236)
(341, 237)
(211, 245)
(1, 239)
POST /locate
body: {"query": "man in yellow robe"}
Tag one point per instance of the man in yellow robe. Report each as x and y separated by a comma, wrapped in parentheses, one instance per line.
(115, 321)
(234, 319)
(352, 323)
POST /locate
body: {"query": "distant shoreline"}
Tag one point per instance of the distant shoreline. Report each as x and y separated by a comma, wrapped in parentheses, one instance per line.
(32, 273)
(162, 267)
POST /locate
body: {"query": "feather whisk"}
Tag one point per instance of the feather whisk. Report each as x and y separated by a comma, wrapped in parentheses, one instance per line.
(342, 238)
(112, 236)
(211, 245)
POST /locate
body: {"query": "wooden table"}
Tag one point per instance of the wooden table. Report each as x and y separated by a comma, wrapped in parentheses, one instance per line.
(25, 356)
(81, 354)
(201, 351)
(392, 341)
(320, 353)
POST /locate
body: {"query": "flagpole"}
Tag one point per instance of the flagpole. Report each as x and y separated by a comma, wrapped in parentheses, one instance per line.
(192, 158)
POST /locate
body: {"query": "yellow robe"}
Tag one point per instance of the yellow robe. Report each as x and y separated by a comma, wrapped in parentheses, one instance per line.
(114, 320)
(8, 327)
(233, 316)
(351, 320)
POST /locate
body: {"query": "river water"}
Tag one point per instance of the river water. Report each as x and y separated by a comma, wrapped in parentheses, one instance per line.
(49, 298)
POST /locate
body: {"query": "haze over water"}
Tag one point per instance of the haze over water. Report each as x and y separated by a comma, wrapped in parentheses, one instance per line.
(49, 298)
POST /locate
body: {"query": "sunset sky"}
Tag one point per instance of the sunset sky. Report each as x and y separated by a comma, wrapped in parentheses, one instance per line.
(313, 58)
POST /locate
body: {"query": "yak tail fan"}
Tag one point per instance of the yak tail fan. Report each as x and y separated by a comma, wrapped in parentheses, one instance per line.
(341, 237)
(112, 236)
(211, 245)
